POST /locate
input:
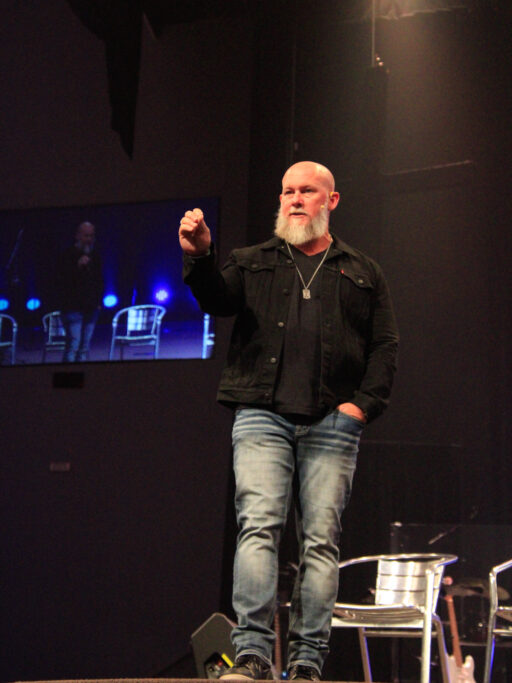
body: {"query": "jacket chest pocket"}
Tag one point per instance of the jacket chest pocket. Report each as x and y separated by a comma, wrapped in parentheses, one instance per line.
(257, 278)
(356, 295)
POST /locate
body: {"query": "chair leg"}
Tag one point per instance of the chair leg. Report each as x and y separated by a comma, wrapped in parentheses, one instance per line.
(365, 657)
(443, 654)
(426, 640)
(426, 648)
(489, 650)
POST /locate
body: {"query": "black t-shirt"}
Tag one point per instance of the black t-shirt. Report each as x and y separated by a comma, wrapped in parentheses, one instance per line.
(78, 288)
(298, 382)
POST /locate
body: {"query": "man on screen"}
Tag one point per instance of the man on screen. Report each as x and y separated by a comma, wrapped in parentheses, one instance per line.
(80, 291)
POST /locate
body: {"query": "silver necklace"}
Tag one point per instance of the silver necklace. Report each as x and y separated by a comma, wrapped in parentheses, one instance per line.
(306, 292)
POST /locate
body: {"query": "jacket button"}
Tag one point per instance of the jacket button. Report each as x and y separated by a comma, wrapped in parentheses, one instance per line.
(286, 290)
(254, 265)
(289, 261)
(280, 323)
(273, 360)
(360, 280)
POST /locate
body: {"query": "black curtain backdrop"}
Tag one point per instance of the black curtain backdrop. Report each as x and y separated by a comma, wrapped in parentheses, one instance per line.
(421, 150)
(118, 24)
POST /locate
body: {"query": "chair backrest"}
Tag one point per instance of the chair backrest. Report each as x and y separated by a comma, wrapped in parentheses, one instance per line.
(8, 328)
(53, 327)
(140, 320)
(404, 582)
(494, 589)
(208, 336)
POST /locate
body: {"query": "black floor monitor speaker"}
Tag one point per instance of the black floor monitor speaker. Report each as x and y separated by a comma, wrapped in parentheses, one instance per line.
(211, 644)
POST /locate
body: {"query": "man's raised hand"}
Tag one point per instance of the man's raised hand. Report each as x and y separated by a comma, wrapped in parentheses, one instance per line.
(194, 234)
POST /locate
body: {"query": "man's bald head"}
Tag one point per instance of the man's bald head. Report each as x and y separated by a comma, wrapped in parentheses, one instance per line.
(85, 234)
(322, 173)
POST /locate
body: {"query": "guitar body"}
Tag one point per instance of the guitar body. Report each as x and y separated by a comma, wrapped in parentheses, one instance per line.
(459, 671)
(461, 674)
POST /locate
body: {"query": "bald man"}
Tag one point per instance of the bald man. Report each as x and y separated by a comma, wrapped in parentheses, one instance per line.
(311, 362)
(80, 290)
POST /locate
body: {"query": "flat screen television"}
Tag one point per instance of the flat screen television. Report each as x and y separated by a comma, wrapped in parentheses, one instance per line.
(145, 311)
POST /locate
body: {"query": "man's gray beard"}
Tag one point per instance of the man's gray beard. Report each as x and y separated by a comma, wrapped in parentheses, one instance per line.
(301, 234)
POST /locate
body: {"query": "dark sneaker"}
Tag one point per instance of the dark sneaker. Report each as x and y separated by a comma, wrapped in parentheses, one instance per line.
(249, 668)
(301, 672)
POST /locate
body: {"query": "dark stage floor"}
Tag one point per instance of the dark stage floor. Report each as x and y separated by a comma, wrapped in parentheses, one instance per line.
(139, 680)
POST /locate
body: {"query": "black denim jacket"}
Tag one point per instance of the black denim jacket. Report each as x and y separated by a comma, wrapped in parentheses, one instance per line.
(359, 336)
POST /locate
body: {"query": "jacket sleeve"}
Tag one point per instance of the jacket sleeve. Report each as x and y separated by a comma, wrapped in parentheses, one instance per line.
(373, 394)
(218, 292)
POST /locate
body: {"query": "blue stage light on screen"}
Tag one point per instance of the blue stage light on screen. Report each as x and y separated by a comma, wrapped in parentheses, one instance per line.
(4, 304)
(110, 300)
(33, 304)
(161, 295)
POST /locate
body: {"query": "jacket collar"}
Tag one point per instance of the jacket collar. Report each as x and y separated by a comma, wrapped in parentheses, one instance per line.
(338, 245)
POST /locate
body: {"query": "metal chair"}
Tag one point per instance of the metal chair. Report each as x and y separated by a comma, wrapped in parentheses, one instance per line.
(54, 332)
(8, 333)
(137, 326)
(208, 337)
(499, 614)
(406, 593)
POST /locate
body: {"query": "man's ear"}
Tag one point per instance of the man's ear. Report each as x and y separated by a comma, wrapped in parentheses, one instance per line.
(334, 198)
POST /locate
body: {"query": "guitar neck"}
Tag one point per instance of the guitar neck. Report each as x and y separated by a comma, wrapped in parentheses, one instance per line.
(457, 653)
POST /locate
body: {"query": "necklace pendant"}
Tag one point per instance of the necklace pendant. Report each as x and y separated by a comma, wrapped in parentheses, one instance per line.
(306, 294)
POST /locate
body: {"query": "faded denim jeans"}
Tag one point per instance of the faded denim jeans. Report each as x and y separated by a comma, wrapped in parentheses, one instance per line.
(268, 452)
(79, 328)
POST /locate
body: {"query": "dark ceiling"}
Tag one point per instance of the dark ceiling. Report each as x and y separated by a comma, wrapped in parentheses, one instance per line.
(119, 22)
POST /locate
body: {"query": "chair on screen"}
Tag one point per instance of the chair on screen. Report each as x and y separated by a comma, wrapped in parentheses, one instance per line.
(8, 333)
(406, 592)
(500, 616)
(137, 326)
(54, 333)
(208, 337)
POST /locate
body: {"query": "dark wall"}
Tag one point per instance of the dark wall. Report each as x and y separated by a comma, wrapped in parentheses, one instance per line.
(427, 196)
(110, 566)
(431, 205)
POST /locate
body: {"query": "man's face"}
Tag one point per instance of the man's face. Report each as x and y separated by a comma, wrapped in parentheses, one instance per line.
(305, 203)
(85, 235)
(304, 195)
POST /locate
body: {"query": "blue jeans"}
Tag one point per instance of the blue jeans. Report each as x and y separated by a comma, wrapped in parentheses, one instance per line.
(79, 328)
(268, 452)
